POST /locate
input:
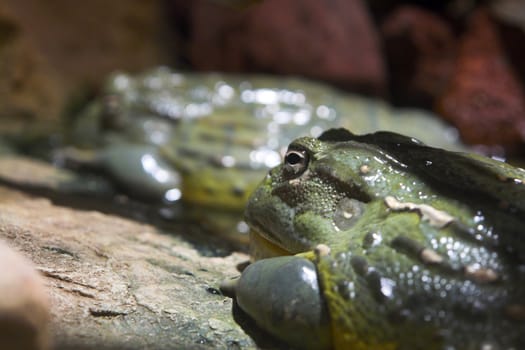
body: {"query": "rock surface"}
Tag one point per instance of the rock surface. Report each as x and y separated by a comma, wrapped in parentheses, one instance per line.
(118, 283)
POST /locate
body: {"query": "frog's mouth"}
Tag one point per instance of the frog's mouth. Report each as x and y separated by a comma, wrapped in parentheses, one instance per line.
(261, 247)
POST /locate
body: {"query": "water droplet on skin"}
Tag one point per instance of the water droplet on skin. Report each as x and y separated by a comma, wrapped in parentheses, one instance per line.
(301, 117)
(247, 96)
(225, 91)
(266, 96)
(121, 82)
(242, 227)
(323, 112)
(309, 276)
(228, 161)
(151, 166)
(173, 195)
(372, 239)
(387, 287)
(316, 130)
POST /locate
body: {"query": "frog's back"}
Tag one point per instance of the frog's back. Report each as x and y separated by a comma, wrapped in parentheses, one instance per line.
(277, 109)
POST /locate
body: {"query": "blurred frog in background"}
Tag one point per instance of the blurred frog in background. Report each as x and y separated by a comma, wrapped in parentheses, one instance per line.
(202, 141)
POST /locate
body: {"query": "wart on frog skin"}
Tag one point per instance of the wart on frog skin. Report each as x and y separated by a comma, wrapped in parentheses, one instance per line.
(435, 217)
(347, 212)
(364, 169)
(480, 274)
(321, 250)
(413, 248)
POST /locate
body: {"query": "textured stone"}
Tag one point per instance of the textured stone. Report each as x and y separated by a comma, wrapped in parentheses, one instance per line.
(485, 100)
(421, 49)
(332, 40)
(115, 283)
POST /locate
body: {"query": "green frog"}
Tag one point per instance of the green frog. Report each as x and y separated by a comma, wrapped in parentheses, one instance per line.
(379, 241)
(204, 140)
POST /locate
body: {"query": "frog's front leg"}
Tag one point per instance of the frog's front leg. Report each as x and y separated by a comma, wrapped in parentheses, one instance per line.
(137, 168)
(284, 298)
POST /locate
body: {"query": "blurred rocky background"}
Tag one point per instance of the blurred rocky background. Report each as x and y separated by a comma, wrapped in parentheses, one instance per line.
(461, 58)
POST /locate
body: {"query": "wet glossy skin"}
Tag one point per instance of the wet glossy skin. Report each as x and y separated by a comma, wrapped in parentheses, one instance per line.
(400, 246)
(207, 139)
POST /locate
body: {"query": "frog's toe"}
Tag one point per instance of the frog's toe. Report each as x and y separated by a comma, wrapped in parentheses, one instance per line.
(283, 296)
(228, 287)
(141, 170)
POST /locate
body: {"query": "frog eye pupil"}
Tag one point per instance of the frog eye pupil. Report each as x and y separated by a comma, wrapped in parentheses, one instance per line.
(295, 162)
(294, 158)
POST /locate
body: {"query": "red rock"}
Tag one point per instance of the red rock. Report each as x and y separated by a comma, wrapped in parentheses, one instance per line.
(420, 48)
(333, 40)
(485, 100)
(513, 38)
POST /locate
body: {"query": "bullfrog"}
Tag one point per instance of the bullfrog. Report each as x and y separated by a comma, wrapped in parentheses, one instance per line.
(204, 140)
(378, 241)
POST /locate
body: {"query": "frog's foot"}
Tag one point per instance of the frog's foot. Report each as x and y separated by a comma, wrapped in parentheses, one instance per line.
(282, 295)
(75, 158)
(228, 287)
(137, 168)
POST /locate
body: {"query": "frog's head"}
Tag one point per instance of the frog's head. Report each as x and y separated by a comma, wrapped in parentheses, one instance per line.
(316, 194)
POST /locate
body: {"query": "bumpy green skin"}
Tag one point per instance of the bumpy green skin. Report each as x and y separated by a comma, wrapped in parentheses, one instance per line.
(426, 247)
(212, 137)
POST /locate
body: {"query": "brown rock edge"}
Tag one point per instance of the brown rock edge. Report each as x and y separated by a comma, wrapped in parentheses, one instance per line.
(116, 283)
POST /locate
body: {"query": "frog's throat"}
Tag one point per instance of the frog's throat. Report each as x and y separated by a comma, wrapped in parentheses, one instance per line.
(262, 248)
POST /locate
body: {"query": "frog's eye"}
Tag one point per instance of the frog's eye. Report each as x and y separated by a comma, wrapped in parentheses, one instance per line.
(295, 161)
